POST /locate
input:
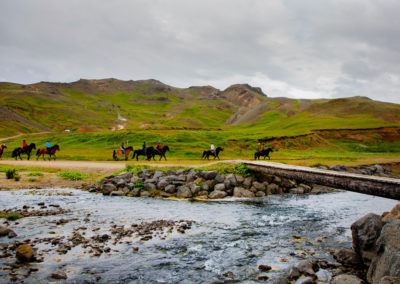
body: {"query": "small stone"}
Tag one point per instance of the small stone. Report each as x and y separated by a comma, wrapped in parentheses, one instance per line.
(264, 267)
(59, 275)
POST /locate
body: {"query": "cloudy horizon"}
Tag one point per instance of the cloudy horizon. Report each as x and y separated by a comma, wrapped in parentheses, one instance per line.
(298, 49)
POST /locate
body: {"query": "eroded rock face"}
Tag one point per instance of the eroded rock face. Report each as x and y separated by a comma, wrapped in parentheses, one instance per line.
(365, 232)
(387, 262)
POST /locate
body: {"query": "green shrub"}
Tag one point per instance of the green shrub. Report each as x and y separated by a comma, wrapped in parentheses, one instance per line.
(12, 216)
(241, 169)
(17, 177)
(35, 174)
(10, 173)
(72, 175)
(32, 179)
(139, 185)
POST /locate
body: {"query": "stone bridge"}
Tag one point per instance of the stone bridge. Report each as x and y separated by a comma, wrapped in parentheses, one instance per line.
(372, 185)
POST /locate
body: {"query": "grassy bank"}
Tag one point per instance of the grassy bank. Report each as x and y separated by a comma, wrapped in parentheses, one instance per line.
(189, 145)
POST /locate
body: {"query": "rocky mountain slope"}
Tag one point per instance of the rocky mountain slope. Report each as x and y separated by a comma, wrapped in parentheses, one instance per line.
(96, 105)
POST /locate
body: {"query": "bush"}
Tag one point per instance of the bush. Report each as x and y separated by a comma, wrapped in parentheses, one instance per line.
(72, 175)
(12, 216)
(35, 174)
(241, 169)
(17, 177)
(10, 173)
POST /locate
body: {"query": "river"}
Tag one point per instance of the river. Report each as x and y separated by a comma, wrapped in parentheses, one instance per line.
(228, 239)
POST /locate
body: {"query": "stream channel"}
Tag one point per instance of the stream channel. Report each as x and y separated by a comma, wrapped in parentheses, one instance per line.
(228, 239)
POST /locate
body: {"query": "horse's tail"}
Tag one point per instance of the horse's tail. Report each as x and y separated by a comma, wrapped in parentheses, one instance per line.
(114, 155)
(204, 154)
(255, 156)
(134, 153)
(38, 152)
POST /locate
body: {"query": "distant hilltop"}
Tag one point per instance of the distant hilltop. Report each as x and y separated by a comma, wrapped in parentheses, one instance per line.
(106, 104)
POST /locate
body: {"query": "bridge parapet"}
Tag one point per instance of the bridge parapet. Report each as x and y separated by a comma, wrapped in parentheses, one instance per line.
(372, 185)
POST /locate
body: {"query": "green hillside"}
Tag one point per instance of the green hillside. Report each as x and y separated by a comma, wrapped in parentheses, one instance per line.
(102, 113)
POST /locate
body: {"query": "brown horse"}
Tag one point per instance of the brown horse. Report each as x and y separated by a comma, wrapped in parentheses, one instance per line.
(118, 152)
(43, 151)
(2, 147)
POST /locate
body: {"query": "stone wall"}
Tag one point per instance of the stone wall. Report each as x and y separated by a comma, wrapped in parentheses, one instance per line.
(197, 183)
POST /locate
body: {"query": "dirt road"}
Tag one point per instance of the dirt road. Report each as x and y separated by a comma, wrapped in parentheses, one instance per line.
(105, 167)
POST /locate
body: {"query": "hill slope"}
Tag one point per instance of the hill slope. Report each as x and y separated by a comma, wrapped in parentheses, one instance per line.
(94, 105)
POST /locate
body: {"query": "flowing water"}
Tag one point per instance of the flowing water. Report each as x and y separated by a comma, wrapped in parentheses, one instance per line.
(228, 239)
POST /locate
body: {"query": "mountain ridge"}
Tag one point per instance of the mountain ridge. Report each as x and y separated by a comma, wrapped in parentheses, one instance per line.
(93, 105)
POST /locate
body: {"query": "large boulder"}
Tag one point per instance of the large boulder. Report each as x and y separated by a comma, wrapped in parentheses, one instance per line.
(149, 186)
(241, 192)
(4, 231)
(184, 192)
(170, 188)
(25, 253)
(273, 188)
(387, 262)
(108, 188)
(157, 174)
(365, 232)
(296, 190)
(125, 176)
(219, 178)
(258, 186)
(209, 174)
(247, 182)
(219, 186)
(162, 183)
(217, 194)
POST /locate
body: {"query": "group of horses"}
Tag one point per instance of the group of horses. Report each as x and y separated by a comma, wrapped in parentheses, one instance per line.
(17, 152)
(149, 153)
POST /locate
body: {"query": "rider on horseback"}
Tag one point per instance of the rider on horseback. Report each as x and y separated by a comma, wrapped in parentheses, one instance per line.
(48, 146)
(24, 145)
(122, 147)
(144, 148)
(213, 148)
(159, 148)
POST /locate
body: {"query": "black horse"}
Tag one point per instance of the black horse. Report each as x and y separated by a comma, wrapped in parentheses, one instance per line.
(161, 152)
(263, 153)
(149, 153)
(27, 150)
(208, 153)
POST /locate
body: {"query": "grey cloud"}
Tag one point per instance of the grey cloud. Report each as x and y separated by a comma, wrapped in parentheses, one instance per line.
(296, 48)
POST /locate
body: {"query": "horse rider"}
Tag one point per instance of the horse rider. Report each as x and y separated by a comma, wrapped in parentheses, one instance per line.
(159, 148)
(24, 145)
(144, 148)
(122, 147)
(212, 148)
(48, 146)
(258, 148)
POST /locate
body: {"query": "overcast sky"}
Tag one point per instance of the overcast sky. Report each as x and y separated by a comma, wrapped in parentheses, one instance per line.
(297, 49)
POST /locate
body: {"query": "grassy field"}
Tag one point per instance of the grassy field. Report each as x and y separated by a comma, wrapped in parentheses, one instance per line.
(189, 145)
